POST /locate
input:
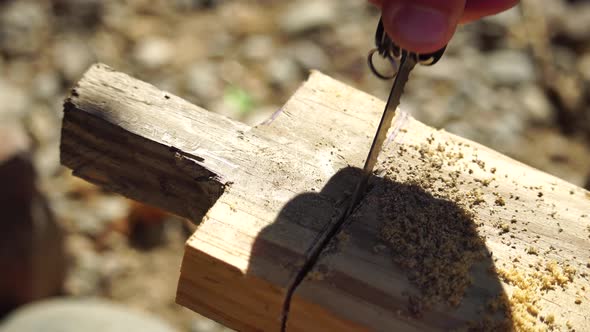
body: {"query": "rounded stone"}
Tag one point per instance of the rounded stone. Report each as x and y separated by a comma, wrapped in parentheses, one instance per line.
(88, 315)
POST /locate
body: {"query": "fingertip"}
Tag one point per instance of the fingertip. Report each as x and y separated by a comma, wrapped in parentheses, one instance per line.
(476, 9)
(418, 28)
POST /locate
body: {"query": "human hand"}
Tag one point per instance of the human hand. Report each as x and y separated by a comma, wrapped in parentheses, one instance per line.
(425, 26)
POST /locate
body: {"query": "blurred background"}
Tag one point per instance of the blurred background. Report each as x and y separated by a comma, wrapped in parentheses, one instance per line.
(518, 82)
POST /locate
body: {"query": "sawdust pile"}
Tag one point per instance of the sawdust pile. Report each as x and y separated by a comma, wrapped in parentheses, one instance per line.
(432, 239)
(524, 309)
(428, 223)
(429, 208)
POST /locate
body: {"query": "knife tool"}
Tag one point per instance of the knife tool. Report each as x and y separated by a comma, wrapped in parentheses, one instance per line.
(402, 62)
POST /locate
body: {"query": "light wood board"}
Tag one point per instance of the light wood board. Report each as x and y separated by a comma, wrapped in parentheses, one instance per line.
(267, 198)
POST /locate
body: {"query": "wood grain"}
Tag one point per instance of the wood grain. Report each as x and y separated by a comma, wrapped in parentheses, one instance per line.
(266, 197)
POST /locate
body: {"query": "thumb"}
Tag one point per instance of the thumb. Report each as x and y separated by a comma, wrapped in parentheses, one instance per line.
(422, 26)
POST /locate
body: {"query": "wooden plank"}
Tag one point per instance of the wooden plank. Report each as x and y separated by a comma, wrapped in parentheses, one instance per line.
(449, 235)
(271, 194)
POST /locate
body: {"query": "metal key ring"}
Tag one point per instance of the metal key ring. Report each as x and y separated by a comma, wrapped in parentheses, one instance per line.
(376, 72)
(392, 53)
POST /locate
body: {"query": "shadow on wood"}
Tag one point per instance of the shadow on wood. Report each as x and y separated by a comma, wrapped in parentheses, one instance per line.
(433, 242)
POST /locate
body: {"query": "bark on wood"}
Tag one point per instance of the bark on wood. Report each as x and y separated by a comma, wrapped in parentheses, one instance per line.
(268, 196)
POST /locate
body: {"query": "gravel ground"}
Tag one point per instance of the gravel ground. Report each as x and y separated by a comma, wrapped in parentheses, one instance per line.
(518, 82)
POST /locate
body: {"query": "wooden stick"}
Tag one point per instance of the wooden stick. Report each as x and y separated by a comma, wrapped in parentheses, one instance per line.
(270, 194)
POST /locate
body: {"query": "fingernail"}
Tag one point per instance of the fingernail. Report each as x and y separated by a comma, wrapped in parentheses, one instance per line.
(424, 28)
